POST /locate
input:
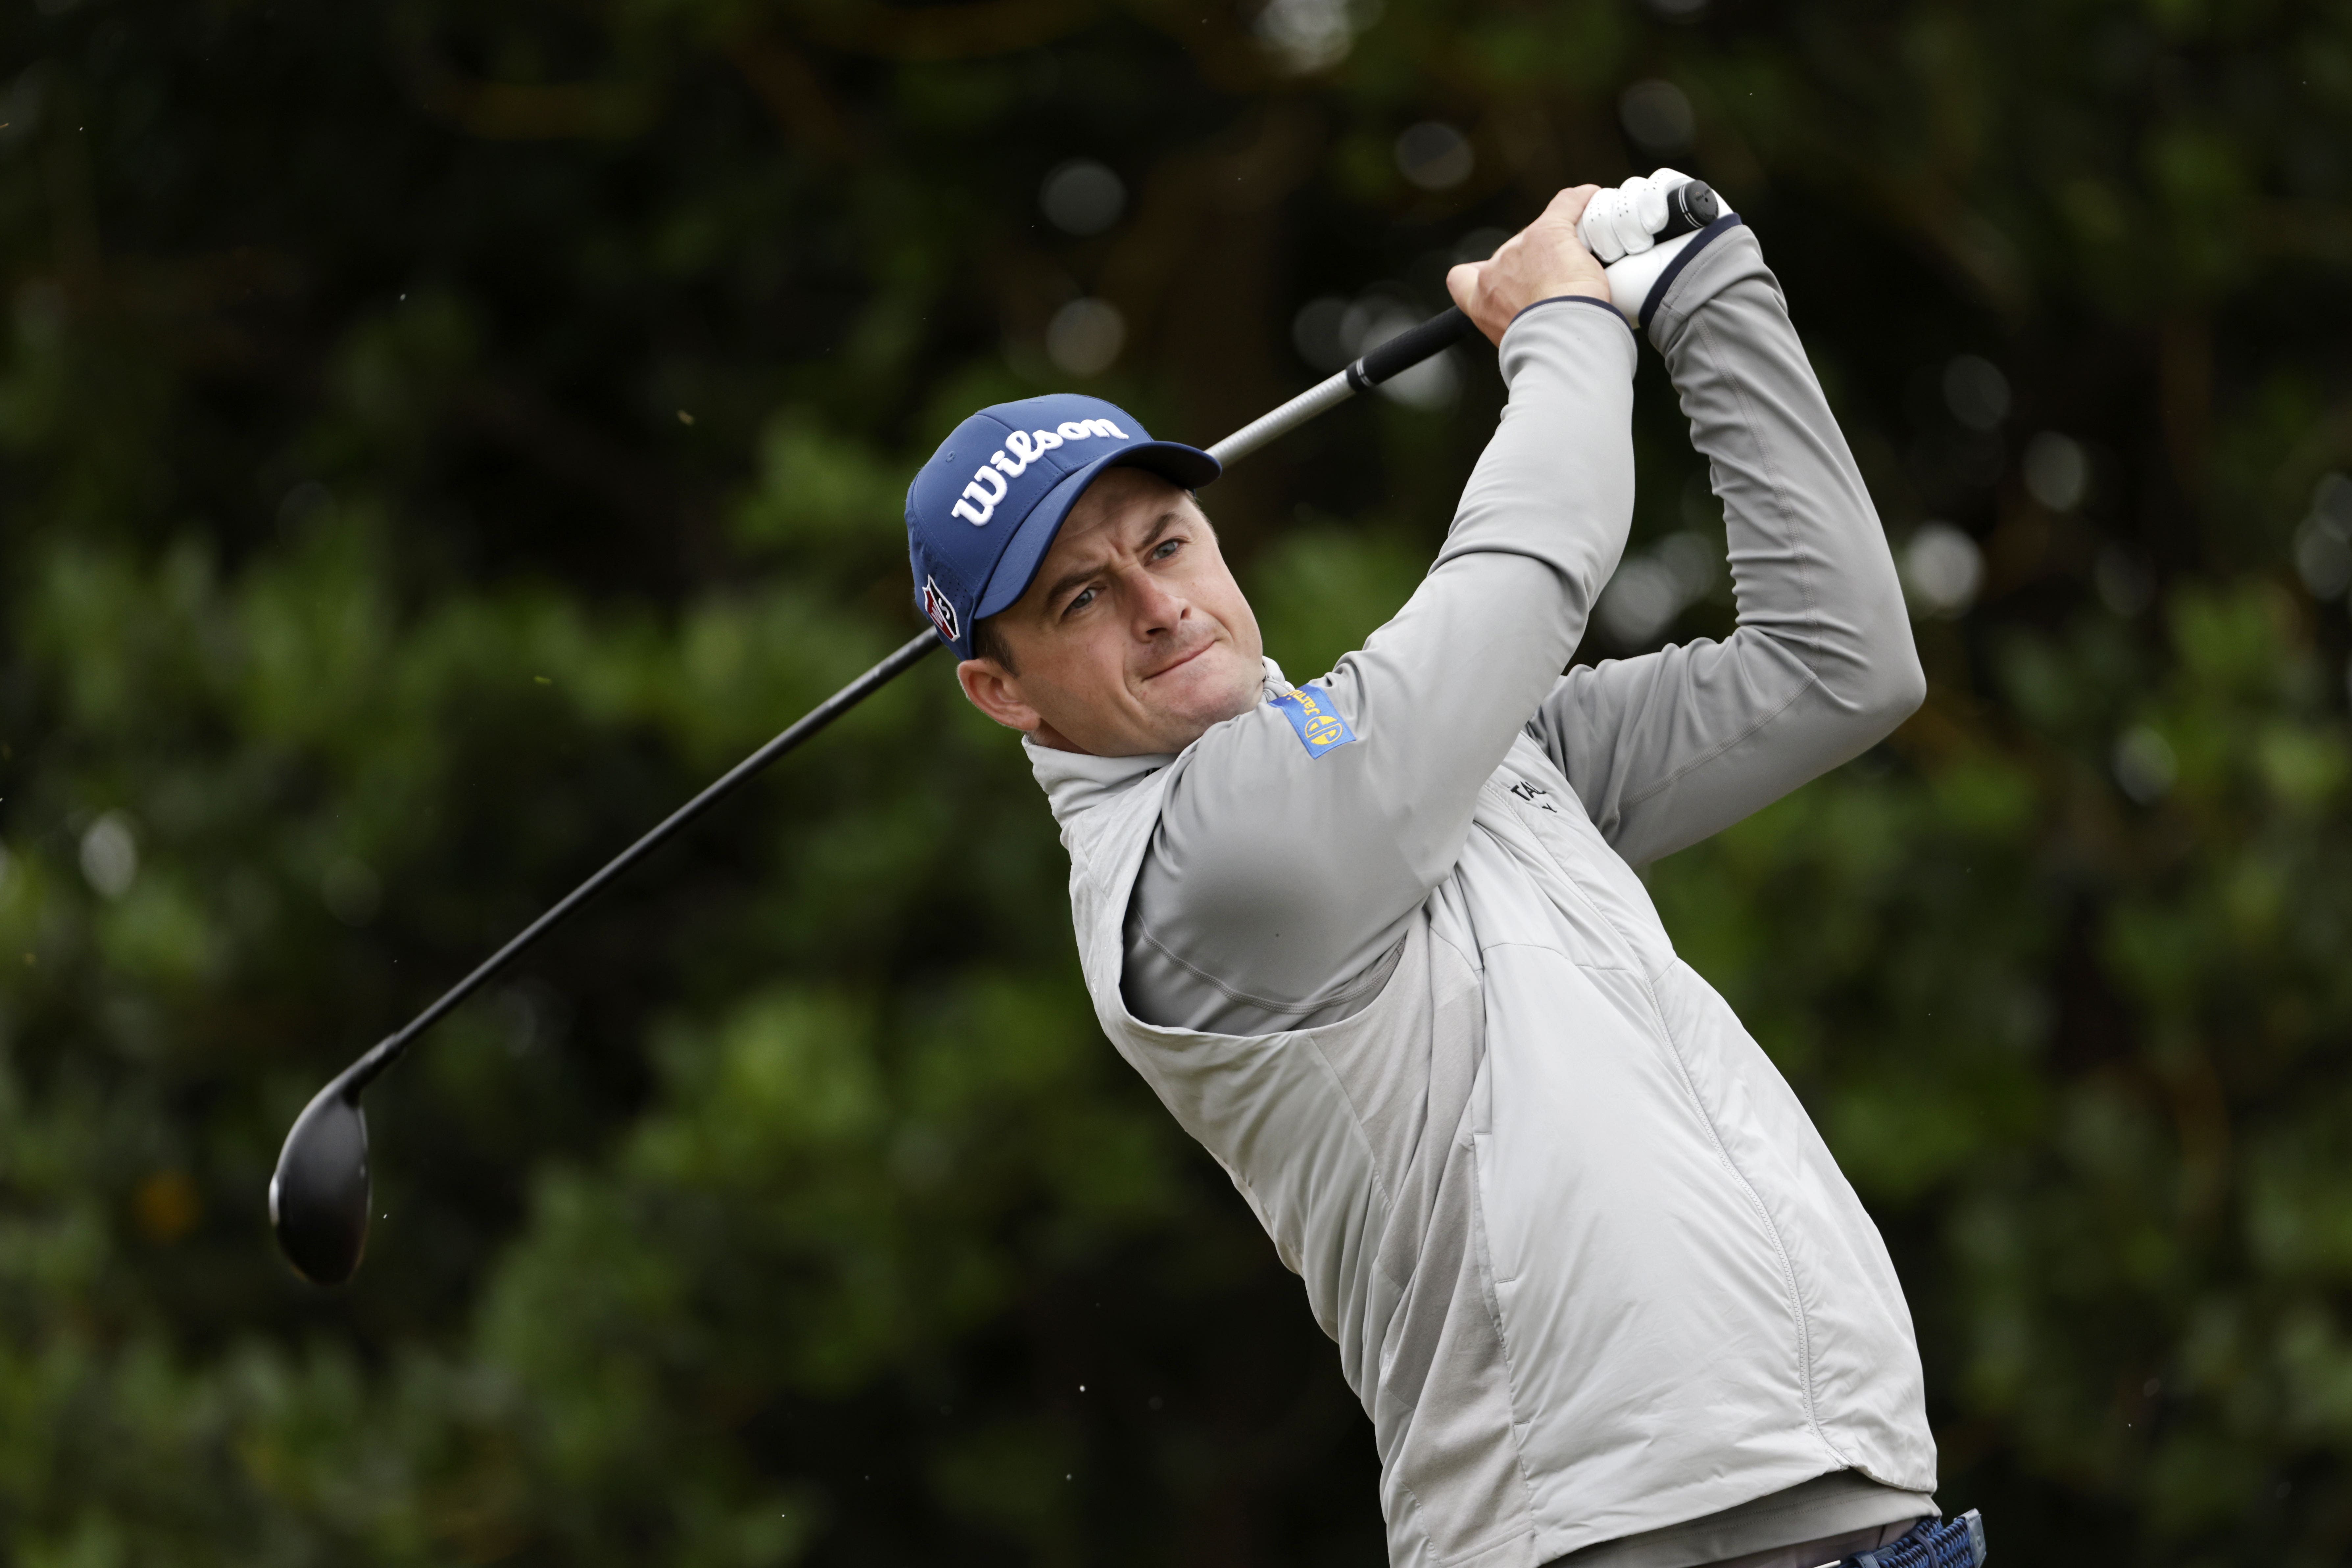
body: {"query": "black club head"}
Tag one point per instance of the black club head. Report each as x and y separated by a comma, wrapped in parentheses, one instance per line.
(319, 1197)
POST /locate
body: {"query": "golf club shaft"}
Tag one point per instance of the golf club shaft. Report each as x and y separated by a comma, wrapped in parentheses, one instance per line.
(908, 654)
(1398, 354)
(1401, 353)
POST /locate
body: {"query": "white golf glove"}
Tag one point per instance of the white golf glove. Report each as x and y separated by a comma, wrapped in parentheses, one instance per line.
(1619, 227)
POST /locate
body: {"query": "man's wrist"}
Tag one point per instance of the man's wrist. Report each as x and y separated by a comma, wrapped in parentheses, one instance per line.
(1640, 284)
(1570, 296)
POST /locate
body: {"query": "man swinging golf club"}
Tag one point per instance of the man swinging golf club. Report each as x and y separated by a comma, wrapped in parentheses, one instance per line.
(1378, 944)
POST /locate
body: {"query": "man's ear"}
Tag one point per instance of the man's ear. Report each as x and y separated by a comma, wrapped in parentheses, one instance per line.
(989, 688)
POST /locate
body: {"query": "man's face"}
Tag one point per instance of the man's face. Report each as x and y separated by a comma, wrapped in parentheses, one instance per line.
(1133, 639)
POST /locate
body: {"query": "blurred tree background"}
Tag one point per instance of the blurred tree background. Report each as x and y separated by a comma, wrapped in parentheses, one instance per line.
(439, 436)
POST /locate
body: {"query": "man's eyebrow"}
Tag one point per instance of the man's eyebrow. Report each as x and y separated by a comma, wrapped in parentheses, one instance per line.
(1068, 580)
(1071, 579)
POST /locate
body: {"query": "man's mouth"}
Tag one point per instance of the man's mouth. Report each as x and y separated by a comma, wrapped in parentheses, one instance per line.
(1181, 663)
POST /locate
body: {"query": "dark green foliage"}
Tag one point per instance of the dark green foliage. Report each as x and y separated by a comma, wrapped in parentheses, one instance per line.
(436, 438)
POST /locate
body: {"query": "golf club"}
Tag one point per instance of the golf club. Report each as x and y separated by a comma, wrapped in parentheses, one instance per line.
(319, 1197)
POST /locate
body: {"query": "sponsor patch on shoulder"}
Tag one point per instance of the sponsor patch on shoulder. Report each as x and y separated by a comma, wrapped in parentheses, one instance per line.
(1318, 723)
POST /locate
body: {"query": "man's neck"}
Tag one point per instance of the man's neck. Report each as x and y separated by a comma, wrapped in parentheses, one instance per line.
(1044, 734)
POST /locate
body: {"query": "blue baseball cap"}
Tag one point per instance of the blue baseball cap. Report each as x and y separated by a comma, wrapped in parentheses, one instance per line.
(983, 512)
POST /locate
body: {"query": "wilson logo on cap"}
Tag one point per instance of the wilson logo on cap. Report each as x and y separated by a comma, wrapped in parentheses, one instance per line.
(978, 502)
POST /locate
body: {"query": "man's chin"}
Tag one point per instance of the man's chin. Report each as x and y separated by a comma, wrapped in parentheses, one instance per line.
(1204, 693)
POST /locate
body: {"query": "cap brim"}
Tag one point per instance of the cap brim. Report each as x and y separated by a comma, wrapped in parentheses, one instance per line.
(1017, 567)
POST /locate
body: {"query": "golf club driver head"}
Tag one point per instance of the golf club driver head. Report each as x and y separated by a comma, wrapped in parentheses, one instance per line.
(319, 1196)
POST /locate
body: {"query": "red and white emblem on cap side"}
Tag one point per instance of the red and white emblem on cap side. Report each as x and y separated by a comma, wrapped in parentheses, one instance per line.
(936, 605)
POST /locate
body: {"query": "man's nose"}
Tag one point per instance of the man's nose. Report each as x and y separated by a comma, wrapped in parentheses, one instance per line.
(1153, 608)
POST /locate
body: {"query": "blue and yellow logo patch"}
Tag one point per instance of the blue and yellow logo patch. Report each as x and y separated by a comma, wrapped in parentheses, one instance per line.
(1318, 723)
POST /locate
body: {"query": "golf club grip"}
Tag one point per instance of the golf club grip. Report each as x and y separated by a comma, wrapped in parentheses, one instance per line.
(1689, 208)
(1409, 348)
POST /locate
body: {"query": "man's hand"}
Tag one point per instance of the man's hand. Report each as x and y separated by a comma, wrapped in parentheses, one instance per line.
(1621, 225)
(1542, 261)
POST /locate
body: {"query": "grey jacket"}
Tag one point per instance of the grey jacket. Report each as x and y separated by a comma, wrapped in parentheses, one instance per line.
(1596, 1281)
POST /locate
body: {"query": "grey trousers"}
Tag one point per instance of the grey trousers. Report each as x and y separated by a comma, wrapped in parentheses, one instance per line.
(1828, 1549)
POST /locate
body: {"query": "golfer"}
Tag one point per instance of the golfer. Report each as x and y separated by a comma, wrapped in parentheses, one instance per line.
(1378, 943)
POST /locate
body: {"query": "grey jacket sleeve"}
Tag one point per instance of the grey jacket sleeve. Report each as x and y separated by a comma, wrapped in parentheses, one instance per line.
(1670, 747)
(1277, 883)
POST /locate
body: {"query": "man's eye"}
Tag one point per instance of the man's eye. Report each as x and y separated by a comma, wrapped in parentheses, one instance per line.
(1167, 547)
(1084, 598)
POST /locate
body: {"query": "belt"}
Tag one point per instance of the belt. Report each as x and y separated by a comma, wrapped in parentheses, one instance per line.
(1931, 1544)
